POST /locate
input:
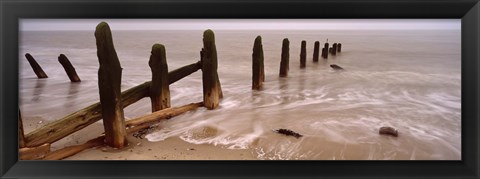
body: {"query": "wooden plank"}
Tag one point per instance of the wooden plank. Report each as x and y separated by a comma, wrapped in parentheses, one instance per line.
(163, 114)
(34, 153)
(109, 82)
(159, 89)
(258, 75)
(35, 66)
(69, 69)
(72, 150)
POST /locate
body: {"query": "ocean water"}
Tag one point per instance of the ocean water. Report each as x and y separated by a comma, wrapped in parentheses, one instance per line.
(406, 79)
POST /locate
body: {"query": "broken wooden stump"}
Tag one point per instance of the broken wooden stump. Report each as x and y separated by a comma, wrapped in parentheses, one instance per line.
(109, 81)
(34, 153)
(284, 63)
(72, 74)
(159, 88)
(211, 84)
(315, 51)
(21, 134)
(336, 67)
(388, 131)
(288, 132)
(35, 66)
(303, 54)
(258, 74)
(339, 47)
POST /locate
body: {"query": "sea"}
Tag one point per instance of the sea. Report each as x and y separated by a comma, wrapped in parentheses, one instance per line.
(406, 79)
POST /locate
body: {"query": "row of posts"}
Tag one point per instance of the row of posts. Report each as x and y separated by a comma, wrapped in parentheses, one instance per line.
(258, 74)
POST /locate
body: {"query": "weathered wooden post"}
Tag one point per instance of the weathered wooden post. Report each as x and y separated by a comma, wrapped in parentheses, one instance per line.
(339, 47)
(211, 83)
(258, 75)
(303, 54)
(315, 51)
(325, 51)
(284, 63)
(159, 89)
(334, 49)
(109, 81)
(21, 134)
(72, 74)
(35, 66)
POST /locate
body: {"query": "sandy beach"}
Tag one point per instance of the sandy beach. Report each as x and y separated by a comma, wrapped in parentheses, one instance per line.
(172, 148)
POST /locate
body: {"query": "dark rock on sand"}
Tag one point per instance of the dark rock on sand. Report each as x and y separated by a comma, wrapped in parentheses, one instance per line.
(388, 131)
(336, 67)
(288, 132)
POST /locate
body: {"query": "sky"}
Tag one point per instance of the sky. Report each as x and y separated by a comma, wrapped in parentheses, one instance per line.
(240, 24)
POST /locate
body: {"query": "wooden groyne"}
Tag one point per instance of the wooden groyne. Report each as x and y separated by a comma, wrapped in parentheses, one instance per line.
(284, 63)
(35, 66)
(69, 69)
(258, 71)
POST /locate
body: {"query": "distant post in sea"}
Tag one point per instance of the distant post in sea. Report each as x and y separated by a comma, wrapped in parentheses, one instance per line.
(339, 47)
(315, 51)
(35, 66)
(258, 73)
(334, 49)
(159, 89)
(211, 84)
(72, 74)
(109, 81)
(303, 54)
(325, 51)
(284, 63)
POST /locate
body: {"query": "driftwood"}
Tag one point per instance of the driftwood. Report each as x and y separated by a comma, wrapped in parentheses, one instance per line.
(34, 153)
(303, 54)
(159, 89)
(288, 132)
(258, 73)
(78, 120)
(315, 51)
(69, 69)
(109, 82)
(21, 134)
(284, 63)
(35, 66)
(336, 67)
(133, 125)
(211, 83)
(388, 131)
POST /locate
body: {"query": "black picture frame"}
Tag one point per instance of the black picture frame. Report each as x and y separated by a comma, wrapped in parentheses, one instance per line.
(466, 10)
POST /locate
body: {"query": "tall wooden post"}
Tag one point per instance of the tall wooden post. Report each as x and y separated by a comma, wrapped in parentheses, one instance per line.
(325, 51)
(315, 51)
(334, 49)
(159, 89)
(303, 54)
(284, 63)
(72, 74)
(35, 66)
(258, 74)
(21, 134)
(109, 81)
(211, 83)
(339, 47)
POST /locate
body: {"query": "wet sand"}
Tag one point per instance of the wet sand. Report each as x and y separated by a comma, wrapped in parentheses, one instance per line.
(172, 148)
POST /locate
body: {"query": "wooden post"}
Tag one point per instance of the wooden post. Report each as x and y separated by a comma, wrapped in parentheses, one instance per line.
(159, 89)
(211, 84)
(339, 47)
(21, 134)
(334, 49)
(258, 74)
(315, 51)
(72, 74)
(109, 81)
(284, 63)
(325, 51)
(35, 66)
(303, 54)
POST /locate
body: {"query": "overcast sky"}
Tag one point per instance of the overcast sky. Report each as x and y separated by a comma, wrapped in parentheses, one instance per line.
(239, 24)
